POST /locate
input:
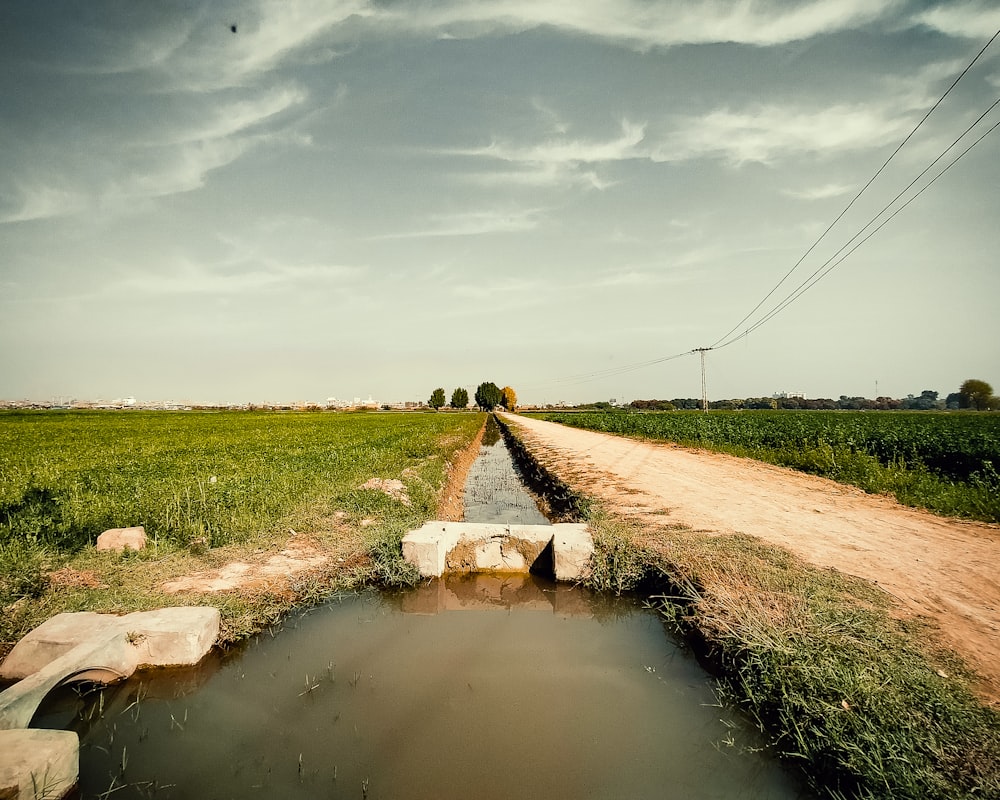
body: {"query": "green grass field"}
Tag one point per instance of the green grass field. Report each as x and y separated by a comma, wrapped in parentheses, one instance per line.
(946, 462)
(200, 481)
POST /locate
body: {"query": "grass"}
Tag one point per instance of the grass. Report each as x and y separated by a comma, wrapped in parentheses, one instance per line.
(209, 488)
(860, 702)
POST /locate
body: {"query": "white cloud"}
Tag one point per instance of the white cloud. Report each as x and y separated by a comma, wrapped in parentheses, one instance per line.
(268, 34)
(974, 20)
(188, 277)
(229, 119)
(44, 202)
(173, 171)
(766, 133)
(645, 24)
(557, 161)
(567, 151)
(473, 223)
(823, 192)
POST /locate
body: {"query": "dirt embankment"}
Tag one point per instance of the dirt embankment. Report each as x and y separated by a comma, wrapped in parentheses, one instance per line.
(943, 569)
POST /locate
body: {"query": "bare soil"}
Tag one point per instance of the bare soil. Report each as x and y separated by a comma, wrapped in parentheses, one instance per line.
(944, 570)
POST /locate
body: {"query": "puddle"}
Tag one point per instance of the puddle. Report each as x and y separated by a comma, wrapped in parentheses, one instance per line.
(482, 687)
(494, 491)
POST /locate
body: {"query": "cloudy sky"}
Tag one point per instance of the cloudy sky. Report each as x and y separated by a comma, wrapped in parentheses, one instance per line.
(355, 197)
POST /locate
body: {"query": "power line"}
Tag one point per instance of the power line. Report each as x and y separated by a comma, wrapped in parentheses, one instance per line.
(858, 195)
(825, 268)
(821, 273)
(584, 377)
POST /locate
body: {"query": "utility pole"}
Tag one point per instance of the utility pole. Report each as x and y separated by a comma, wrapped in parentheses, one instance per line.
(704, 386)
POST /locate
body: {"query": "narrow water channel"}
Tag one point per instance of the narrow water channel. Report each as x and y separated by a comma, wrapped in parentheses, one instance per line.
(494, 491)
(482, 687)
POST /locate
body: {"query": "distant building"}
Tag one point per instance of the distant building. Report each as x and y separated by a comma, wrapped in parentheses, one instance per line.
(789, 396)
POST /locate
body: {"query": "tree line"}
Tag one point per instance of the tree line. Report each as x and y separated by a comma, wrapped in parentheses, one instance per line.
(488, 396)
(974, 394)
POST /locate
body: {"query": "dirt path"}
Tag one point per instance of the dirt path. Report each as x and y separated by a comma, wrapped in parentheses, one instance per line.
(940, 568)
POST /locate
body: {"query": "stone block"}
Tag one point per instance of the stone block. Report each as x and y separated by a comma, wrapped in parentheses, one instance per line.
(172, 637)
(161, 638)
(427, 547)
(37, 764)
(468, 547)
(122, 539)
(572, 548)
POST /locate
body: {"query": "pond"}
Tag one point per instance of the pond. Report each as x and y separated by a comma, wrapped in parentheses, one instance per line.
(483, 686)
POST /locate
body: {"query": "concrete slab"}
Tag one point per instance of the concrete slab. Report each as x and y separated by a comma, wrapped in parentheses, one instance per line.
(468, 547)
(161, 638)
(104, 648)
(38, 764)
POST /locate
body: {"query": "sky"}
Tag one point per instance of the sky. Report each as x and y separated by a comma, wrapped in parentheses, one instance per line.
(292, 200)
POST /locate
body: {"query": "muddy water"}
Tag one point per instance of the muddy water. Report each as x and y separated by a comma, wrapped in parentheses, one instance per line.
(476, 688)
(493, 489)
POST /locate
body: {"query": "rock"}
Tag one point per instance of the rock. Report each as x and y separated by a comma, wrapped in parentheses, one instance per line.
(122, 538)
(396, 489)
(38, 763)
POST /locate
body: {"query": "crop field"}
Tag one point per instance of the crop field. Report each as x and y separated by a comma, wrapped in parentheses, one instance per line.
(948, 463)
(203, 480)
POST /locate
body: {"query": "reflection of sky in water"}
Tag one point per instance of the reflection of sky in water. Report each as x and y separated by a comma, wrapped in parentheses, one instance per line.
(493, 490)
(533, 690)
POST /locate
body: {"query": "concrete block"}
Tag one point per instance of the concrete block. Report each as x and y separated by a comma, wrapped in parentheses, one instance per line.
(427, 547)
(172, 637)
(469, 547)
(36, 764)
(122, 539)
(572, 547)
(161, 638)
(52, 639)
(100, 647)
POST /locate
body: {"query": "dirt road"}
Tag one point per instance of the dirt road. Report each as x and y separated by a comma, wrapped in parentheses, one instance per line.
(944, 569)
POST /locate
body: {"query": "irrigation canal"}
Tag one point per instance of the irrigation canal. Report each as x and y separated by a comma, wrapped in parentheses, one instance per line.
(483, 686)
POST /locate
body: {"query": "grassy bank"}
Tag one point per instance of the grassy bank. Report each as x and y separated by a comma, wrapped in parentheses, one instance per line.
(948, 463)
(861, 703)
(209, 488)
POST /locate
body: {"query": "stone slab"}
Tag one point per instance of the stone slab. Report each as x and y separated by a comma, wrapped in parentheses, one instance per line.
(37, 764)
(161, 638)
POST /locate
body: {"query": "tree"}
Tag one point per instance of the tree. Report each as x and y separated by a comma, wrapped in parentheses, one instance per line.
(508, 397)
(975, 394)
(437, 399)
(460, 398)
(488, 396)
